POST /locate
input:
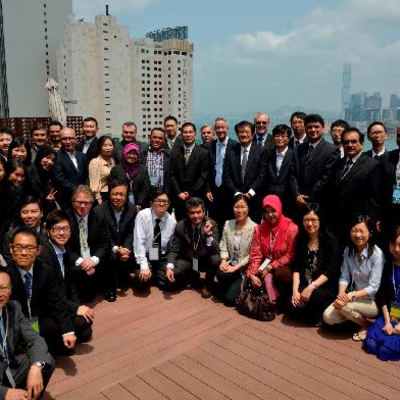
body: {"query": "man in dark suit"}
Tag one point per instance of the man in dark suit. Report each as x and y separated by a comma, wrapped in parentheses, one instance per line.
(36, 289)
(25, 374)
(242, 172)
(337, 129)
(90, 241)
(88, 145)
(377, 135)
(262, 137)
(173, 140)
(217, 195)
(207, 134)
(129, 133)
(58, 258)
(157, 160)
(276, 165)
(70, 168)
(38, 138)
(189, 168)
(194, 247)
(299, 132)
(119, 215)
(313, 163)
(354, 186)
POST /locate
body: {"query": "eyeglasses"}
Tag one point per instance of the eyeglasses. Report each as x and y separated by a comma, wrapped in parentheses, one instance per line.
(312, 220)
(59, 229)
(261, 123)
(5, 290)
(18, 248)
(161, 202)
(83, 203)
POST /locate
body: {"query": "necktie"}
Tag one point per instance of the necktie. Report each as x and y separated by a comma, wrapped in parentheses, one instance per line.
(297, 142)
(376, 156)
(347, 167)
(310, 149)
(260, 141)
(157, 233)
(196, 239)
(83, 236)
(244, 164)
(6, 367)
(187, 155)
(218, 165)
(28, 285)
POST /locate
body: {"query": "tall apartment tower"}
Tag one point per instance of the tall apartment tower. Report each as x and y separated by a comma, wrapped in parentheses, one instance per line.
(30, 33)
(346, 87)
(116, 79)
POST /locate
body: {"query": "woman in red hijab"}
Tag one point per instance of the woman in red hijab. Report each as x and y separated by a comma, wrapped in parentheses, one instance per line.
(272, 250)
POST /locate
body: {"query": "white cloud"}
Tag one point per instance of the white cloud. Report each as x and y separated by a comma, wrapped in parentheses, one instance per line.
(261, 40)
(88, 9)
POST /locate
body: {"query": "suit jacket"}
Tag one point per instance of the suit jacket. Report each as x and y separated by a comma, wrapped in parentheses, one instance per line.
(98, 239)
(232, 175)
(123, 234)
(292, 142)
(311, 173)
(182, 241)
(140, 185)
(268, 143)
(358, 192)
(192, 177)
(369, 153)
(49, 258)
(91, 151)
(21, 336)
(226, 245)
(48, 299)
(178, 143)
(67, 177)
(167, 155)
(212, 148)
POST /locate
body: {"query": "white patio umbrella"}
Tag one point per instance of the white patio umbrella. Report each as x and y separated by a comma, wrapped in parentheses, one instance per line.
(56, 104)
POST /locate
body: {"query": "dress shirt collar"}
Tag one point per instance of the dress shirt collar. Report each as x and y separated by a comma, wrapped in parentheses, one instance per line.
(85, 218)
(315, 144)
(57, 249)
(224, 142)
(355, 158)
(23, 272)
(282, 153)
(378, 154)
(154, 216)
(190, 147)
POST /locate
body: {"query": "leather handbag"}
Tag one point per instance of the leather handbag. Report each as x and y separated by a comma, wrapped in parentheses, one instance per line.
(254, 303)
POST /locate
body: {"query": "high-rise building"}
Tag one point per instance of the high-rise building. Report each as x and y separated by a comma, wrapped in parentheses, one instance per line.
(179, 32)
(346, 87)
(116, 79)
(30, 33)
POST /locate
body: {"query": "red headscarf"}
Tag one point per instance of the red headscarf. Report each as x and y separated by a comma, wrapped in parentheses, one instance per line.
(131, 169)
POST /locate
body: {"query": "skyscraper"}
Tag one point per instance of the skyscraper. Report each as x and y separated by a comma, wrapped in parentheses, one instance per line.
(346, 87)
(30, 33)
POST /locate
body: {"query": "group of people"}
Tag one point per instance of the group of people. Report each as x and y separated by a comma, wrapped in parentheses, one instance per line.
(311, 221)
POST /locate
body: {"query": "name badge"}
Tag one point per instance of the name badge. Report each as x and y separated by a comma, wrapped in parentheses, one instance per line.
(196, 264)
(131, 197)
(154, 253)
(34, 321)
(396, 194)
(154, 180)
(395, 313)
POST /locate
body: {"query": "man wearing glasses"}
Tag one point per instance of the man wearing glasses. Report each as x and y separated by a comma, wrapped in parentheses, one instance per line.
(25, 374)
(89, 241)
(154, 227)
(261, 137)
(36, 289)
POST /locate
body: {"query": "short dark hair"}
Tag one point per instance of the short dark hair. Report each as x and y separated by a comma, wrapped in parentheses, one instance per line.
(26, 231)
(298, 114)
(361, 136)
(117, 182)
(340, 123)
(157, 129)
(240, 197)
(310, 118)
(243, 124)
(30, 200)
(21, 142)
(372, 124)
(55, 217)
(281, 129)
(7, 131)
(157, 192)
(129, 123)
(195, 202)
(191, 124)
(91, 119)
(394, 234)
(37, 127)
(12, 165)
(55, 123)
(170, 117)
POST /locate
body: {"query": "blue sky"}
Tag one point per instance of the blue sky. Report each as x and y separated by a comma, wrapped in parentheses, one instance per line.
(261, 54)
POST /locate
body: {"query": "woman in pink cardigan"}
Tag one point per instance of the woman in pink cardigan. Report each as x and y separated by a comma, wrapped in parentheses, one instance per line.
(272, 250)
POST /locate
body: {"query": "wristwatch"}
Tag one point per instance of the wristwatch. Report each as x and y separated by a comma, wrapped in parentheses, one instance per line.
(40, 364)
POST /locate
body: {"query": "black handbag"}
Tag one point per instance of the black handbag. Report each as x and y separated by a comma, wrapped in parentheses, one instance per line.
(254, 303)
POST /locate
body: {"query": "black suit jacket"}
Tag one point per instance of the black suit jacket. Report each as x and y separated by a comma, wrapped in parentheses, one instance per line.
(311, 173)
(212, 148)
(20, 335)
(91, 151)
(268, 143)
(123, 235)
(49, 258)
(67, 177)
(48, 300)
(182, 241)
(98, 239)
(292, 141)
(369, 153)
(178, 143)
(358, 192)
(191, 178)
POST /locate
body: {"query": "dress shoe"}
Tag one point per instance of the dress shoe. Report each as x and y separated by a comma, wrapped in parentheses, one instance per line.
(205, 293)
(110, 296)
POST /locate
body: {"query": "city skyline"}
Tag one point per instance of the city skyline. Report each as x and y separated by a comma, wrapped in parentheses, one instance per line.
(264, 54)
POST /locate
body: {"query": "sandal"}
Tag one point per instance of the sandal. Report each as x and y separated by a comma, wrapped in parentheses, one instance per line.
(357, 337)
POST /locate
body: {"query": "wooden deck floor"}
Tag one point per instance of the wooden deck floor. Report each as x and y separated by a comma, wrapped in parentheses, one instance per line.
(180, 346)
